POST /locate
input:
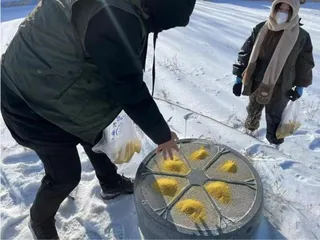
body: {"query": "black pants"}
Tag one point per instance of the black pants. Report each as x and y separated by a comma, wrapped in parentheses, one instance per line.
(273, 111)
(57, 150)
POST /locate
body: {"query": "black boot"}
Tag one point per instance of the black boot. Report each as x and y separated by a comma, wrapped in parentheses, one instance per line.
(274, 140)
(46, 230)
(277, 141)
(123, 186)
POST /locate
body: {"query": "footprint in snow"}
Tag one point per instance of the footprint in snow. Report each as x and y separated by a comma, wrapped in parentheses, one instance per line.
(86, 166)
(68, 208)
(33, 169)
(10, 225)
(286, 164)
(87, 176)
(263, 152)
(299, 177)
(300, 132)
(28, 192)
(26, 157)
(116, 229)
(315, 144)
(93, 235)
(252, 150)
(260, 133)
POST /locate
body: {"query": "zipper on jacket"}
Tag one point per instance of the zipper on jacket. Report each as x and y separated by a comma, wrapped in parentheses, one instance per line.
(34, 52)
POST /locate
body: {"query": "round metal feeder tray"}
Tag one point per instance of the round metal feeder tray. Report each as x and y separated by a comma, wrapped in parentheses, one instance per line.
(159, 216)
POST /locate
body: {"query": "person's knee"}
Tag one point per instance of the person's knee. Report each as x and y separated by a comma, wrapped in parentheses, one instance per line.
(65, 182)
(72, 181)
(62, 168)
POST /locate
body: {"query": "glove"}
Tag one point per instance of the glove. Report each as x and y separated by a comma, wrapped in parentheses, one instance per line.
(295, 94)
(237, 87)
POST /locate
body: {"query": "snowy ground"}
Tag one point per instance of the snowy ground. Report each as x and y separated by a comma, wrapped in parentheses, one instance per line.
(193, 71)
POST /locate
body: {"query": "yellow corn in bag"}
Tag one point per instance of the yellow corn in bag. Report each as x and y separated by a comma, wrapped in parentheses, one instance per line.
(287, 129)
(290, 120)
(126, 153)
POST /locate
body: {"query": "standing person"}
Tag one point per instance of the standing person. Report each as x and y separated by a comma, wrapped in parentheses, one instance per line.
(274, 65)
(72, 66)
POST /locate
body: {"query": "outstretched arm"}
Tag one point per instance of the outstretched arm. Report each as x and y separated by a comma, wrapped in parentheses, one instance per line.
(113, 42)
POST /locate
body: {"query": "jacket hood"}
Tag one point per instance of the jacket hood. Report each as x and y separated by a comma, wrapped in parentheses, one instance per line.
(166, 14)
(294, 4)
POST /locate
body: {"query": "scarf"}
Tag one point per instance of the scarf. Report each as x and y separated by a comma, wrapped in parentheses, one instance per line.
(284, 47)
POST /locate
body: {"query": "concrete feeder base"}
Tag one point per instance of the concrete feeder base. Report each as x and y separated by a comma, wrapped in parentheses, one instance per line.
(219, 195)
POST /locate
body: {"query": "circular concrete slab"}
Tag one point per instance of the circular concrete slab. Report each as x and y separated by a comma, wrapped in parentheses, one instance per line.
(208, 191)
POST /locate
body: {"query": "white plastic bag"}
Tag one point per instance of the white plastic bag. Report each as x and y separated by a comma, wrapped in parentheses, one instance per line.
(120, 140)
(290, 121)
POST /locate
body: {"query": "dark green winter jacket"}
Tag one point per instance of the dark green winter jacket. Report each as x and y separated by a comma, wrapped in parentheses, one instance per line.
(297, 70)
(79, 82)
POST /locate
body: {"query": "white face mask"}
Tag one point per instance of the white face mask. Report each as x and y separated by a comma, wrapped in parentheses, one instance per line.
(281, 17)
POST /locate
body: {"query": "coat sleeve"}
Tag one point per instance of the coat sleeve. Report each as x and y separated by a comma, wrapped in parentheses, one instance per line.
(113, 41)
(245, 51)
(304, 65)
(243, 56)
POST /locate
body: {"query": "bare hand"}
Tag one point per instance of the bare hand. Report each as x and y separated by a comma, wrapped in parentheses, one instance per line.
(166, 148)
